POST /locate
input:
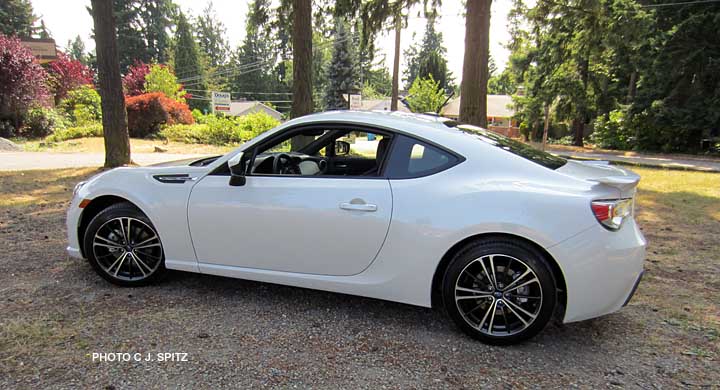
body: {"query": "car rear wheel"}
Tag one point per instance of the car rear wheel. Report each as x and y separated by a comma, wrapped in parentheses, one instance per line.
(499, 291)
(123, 246)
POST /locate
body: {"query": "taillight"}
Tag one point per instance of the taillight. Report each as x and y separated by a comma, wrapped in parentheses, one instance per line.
(612, 213)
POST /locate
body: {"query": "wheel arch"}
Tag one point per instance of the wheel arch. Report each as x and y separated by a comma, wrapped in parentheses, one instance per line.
(95, 206)
(557, 273)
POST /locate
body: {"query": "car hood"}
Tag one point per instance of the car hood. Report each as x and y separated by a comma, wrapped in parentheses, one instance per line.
(192, 161)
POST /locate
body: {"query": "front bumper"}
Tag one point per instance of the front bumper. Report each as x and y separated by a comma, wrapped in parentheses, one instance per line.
(601, 269)
(73, 219)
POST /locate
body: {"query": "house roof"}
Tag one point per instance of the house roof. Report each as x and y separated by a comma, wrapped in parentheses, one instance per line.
(242, 108)
(498, 106)
(381, 105)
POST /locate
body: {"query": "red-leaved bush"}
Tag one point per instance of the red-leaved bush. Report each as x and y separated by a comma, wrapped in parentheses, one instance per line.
(148, 111)
(134, 79)
(22, 81)
(67, 74)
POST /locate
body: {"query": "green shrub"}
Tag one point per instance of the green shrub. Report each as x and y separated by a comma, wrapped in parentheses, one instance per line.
(89, 130)
(40, 122)
(221, 130)
(82, 105)
(613, 132)
(566, 140)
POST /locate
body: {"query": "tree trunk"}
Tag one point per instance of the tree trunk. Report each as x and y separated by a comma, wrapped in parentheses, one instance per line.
(114, 116)
(473, 88)
(578, 125)
(632, 88)
(396, 66)
(302, 103)
(546, 126)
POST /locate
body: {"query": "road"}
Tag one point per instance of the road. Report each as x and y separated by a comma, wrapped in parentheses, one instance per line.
(20, 161)
(693, 164)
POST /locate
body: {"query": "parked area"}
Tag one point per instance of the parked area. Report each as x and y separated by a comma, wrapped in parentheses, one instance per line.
(55, 312)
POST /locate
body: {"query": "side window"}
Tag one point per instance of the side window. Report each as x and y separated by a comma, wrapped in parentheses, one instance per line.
(363, 145)
(413, 158)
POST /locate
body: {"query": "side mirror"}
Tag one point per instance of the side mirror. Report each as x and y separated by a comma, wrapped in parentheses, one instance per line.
(237, 170)
(342, 148)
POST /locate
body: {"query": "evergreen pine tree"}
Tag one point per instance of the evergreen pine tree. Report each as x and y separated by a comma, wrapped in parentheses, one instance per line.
(255, 59)
(342, 71)
(211, 37)
(16, 18)
(429, 59)
(187, 60)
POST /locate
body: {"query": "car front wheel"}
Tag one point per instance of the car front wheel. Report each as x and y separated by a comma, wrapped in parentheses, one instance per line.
(123, 246)
(499, 291)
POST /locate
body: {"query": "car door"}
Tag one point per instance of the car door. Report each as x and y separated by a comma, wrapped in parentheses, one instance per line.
(314, 224)
(328, 226)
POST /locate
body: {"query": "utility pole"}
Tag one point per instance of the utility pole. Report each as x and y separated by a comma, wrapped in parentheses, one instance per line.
(396, 65)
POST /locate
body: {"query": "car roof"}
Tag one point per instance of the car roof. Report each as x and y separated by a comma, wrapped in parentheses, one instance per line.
(433, 128)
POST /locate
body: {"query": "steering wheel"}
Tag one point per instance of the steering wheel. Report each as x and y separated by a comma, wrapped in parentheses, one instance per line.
(282, 164)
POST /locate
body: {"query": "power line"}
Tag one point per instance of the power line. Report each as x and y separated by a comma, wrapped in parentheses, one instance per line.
(680, 3)
(253, 66)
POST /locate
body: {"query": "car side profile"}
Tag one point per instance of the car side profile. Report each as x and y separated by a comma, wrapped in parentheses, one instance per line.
(408, 208)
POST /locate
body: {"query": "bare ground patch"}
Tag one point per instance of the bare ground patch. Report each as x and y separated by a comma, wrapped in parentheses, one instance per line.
(55, 312)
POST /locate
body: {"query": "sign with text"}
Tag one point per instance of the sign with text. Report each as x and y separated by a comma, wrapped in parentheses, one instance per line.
(221, 102)
(355, 102)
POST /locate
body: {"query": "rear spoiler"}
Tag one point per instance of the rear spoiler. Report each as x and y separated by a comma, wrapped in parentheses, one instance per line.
(623, 183)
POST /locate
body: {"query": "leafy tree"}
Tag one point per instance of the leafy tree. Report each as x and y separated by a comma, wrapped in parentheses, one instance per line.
(134, 79)
(428, 59)
(161, 79)
(473, 88)
(42, 31)
(82, 105)
(22, 80)
(679, 90)
(502, 84)
(142, 30)
(114, 116)
(374, 14)
(76, 50)
(426, 95)
(187, 58)
(342, 71)
(17, 18)
(67, 74)
(210, 34)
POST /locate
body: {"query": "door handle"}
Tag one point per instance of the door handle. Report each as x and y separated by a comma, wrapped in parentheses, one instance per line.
(358, 206)
(341, 166)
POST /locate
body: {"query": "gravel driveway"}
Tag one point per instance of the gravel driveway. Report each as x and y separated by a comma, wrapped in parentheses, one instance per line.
(56, 312)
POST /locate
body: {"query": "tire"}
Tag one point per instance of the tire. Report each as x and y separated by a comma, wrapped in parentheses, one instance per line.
(512, 304)
(133, 262)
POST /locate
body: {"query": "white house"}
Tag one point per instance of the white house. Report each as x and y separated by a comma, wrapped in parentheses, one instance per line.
(245, 108)
(500, 110)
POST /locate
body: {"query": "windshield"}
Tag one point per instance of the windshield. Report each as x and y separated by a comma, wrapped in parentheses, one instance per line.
(515, 147)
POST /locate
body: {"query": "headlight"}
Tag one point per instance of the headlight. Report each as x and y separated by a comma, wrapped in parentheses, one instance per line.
(77, 188)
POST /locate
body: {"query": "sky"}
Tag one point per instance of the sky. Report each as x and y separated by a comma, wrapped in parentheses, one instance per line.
(69, 18)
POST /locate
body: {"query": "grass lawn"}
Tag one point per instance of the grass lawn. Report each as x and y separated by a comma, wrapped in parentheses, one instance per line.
(137, 145)
(55, 311)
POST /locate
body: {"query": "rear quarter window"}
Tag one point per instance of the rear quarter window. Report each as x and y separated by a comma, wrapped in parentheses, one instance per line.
(413, 158)
(515, 147)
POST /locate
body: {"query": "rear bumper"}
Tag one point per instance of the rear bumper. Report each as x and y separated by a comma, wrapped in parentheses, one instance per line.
(637, 283)
(601, 269)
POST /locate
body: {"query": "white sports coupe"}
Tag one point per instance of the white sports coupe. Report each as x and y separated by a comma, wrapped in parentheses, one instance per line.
(408, 208)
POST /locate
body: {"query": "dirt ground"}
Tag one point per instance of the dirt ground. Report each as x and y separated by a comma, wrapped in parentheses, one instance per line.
(56, 312)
